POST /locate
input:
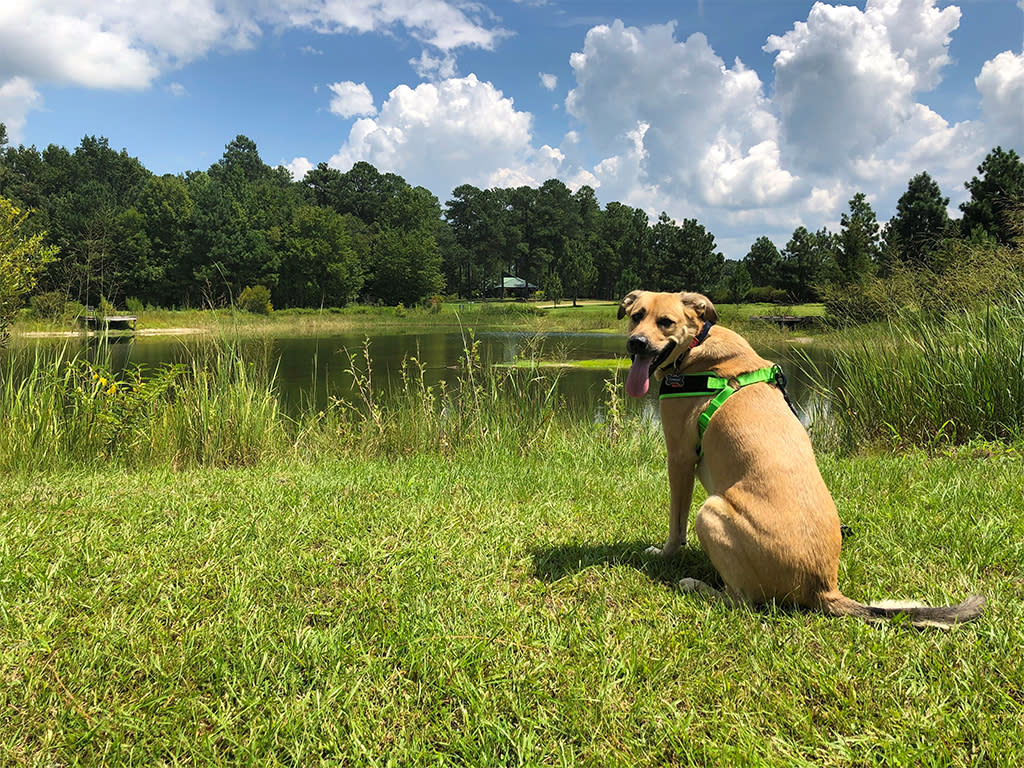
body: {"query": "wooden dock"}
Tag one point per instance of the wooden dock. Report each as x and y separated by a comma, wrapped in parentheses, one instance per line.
(786, 322)
(108, 322)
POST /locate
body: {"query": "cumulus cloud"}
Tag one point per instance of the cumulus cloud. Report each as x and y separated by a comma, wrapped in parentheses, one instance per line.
(17, 97)
(177, 89)
(351, 99)
(846, 84)
(680, 118)
(681, 130)
(1001, 85)
(299, 167)
(441, 135)
(550, 82)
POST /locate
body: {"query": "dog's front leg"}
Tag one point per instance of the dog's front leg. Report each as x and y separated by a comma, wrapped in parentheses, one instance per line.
(680, 481)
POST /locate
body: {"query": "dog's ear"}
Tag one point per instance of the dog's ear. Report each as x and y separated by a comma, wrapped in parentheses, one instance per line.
(627, 302)
(701, 305)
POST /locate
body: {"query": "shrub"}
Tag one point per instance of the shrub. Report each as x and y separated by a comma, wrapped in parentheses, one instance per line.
(133, 305)
(976, 276)
(765, 294)
(255, 299)
(50, 305)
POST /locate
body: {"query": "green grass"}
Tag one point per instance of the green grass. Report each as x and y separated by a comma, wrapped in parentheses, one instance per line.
(491, 608)
(456, 577)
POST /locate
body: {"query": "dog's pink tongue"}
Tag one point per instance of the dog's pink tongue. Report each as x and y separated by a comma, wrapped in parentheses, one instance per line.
(639, 373)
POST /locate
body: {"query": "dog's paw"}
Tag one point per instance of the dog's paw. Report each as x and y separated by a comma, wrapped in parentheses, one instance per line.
(696, 585)
(665, 552)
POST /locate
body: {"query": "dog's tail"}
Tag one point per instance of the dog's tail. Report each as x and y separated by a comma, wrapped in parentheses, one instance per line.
(941, 616)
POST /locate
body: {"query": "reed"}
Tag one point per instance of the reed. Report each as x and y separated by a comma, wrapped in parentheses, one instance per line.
(216, 409)
(222, 408)
(930, 380)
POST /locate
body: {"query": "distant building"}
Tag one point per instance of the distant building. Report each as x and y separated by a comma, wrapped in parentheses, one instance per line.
(513, 286)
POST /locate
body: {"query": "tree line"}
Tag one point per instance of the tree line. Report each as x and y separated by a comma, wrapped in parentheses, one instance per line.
(920, 235)
(201, 238)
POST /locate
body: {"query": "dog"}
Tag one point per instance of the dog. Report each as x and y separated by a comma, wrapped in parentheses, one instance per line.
(769, 524)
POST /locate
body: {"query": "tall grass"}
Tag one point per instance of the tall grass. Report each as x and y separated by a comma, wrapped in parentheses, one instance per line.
(220, 408)
(928, 380)
(214, 410)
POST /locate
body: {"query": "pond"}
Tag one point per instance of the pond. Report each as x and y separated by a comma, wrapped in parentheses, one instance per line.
(309, 369)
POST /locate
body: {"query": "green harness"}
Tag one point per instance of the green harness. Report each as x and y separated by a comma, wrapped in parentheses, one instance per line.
(704, 384)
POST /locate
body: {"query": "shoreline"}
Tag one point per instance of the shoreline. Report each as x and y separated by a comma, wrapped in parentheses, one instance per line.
(76, 334)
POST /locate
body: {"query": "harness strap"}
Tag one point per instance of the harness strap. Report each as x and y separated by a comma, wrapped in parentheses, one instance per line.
(704, 384)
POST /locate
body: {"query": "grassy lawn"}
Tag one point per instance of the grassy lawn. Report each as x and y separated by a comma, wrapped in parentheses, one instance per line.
(190, 576)
(489, 607)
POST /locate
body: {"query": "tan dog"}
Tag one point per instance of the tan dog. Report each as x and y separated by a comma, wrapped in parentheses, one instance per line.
(769, 524)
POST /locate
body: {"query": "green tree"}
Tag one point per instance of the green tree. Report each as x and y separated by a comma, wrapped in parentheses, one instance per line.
(476, 219)
(577, 269)
(995, 196)
(558, 222)
(808, 263)
(684, 256)
(406, 267)
(735, 282)
(522, 253)
(225, 252)
(857, 245)
(22, 257)
(763, 263)
(320, 266)
(920, 223)
(624, 250)
(240, 166)
(86, 194)
(166, 208)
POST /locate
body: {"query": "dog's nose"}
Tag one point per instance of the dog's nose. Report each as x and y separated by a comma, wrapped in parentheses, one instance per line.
(637, 344)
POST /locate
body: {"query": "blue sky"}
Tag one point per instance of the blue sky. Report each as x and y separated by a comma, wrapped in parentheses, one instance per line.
(752, 117)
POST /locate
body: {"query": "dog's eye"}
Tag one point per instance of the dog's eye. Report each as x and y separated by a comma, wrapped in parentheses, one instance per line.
(665, 322)
(636, 317)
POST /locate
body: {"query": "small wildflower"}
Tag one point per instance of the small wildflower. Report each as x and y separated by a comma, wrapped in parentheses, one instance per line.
(112, 390)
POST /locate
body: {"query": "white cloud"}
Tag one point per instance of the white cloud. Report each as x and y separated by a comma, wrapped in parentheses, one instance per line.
(440, 24)
(846, 82)
(351, 99)
(678, 117)
(434, 67)
(299, 167)
(129, 44)
(17, 97)
(1001, 84)
(444, 134)
(177, 89)
(681, 130)
(550, 82)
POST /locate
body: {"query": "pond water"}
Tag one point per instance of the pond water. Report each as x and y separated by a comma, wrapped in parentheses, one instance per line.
(309, 370)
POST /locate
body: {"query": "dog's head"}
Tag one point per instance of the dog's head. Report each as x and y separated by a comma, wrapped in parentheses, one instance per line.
(661, 328)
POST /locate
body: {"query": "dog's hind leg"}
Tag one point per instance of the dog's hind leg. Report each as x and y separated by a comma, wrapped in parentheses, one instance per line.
(728, 547)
